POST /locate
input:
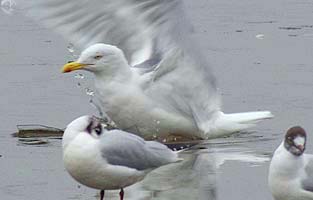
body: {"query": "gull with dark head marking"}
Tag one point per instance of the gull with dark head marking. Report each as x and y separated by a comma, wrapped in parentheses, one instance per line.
(291, 171)
(152, 77)
(110, 160)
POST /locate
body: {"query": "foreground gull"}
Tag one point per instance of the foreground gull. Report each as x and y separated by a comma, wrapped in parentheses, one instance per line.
(291, 171)
(109, 160)
(153, 77)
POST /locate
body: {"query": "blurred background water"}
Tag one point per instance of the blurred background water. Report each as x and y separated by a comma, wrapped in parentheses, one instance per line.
(261, 53)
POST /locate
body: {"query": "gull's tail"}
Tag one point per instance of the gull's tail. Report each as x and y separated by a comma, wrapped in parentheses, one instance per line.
(225, 124)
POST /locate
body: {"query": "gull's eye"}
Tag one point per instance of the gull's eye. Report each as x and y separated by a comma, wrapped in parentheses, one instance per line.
(98, 129)
(98, 57)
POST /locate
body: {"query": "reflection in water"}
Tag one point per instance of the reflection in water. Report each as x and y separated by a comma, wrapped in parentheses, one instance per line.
(193, 178)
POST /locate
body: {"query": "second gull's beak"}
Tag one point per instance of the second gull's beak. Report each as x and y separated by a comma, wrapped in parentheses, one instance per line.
(300, 147)
(72, 66)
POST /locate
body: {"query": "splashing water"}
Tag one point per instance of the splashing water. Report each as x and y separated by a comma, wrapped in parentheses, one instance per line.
(93, 99)
(97, 107)
(79, 76)
(71, 49)
(89, 92)
(8, 6)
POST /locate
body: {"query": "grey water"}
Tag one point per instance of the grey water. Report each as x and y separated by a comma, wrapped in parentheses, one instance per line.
(261, 53)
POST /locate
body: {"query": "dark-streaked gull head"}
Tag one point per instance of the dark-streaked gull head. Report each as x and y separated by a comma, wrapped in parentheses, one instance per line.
(295, 140)
(83, 124)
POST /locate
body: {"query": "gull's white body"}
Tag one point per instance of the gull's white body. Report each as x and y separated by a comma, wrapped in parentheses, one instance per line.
(112, 160)
(286, 174)
(83, 160)
(132, 110)
(157, 80)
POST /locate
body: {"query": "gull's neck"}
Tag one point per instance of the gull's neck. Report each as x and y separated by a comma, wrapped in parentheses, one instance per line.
(284, 163)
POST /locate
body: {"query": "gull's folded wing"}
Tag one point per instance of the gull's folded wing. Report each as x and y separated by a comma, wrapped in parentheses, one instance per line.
(124, 149)
(307, 182)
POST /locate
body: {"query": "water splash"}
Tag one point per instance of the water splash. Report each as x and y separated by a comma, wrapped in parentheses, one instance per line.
(89, 92)
(157, 126)
(98, 108)
(79, 76)
(72, 50)
(8, 6)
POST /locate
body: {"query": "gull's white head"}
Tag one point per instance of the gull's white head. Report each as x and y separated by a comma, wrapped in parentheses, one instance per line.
(98, 58)
(82, 125)
(295, 140)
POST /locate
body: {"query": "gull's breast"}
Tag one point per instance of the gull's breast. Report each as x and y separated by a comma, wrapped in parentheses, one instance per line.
(87, 166)
(135, 112)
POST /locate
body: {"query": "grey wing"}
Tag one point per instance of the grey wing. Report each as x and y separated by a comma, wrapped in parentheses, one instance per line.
(307, 182)
(139, 27)
(125, 149)
(155, 36)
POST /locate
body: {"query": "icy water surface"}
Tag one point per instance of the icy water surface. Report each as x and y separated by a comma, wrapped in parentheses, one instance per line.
(261, 53)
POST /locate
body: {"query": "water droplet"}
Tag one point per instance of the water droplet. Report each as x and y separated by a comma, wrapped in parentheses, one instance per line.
(158, 122)
(97, 107)
(89, 92)
(181, 147)
(70, 48)
(79, 76)
(164, 140)
(154, 136)
(174, 149)
(8, 6)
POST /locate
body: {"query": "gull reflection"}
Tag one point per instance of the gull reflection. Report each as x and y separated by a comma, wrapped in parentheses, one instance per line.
(193, 178)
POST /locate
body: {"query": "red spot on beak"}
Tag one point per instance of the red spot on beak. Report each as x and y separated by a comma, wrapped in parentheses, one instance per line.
(300, 147)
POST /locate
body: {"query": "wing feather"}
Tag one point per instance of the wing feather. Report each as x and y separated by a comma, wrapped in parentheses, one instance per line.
(121, 148)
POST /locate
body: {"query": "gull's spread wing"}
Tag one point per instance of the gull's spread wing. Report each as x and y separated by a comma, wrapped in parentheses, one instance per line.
(138, 27)
(155, 37)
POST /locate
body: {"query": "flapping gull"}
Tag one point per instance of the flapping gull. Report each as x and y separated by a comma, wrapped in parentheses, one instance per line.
(109, 160)
(152, 78)
(291, 171)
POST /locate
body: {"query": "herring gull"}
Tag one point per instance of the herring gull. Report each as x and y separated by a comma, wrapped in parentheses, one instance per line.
(152, 77)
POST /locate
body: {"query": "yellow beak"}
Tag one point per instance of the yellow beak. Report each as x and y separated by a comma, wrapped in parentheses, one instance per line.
(72, 66)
